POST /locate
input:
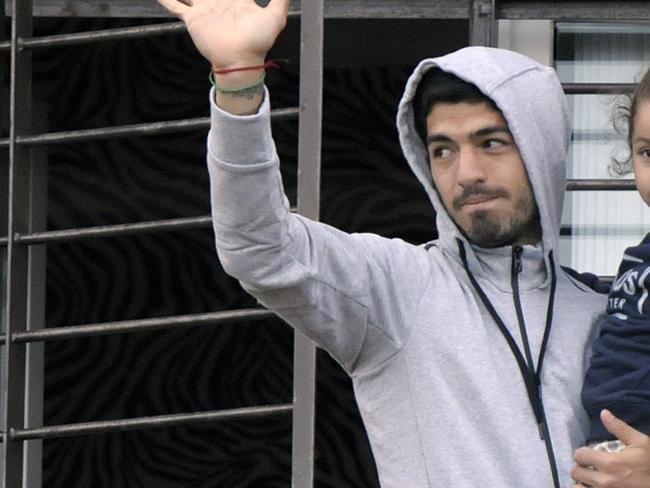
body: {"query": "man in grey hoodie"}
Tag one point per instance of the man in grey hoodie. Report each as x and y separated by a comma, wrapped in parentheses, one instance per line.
(466, 354)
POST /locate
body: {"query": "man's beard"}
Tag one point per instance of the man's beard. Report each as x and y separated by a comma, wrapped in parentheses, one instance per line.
(488, 231)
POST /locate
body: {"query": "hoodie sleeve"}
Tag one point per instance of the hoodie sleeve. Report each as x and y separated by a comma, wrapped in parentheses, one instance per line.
(353, 294)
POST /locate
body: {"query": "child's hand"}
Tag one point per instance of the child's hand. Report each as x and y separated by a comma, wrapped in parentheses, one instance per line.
(629, 468)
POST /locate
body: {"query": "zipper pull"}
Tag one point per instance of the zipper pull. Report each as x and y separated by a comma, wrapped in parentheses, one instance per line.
(516, 258)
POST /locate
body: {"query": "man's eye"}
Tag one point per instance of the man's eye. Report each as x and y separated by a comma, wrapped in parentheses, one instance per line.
(645, 153)
(440, 152)
(493, 144)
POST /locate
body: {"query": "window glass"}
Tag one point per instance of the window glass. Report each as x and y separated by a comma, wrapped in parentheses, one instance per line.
(597, 226)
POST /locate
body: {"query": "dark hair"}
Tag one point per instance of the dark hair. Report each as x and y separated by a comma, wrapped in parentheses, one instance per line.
(624, 116)
(439, 86)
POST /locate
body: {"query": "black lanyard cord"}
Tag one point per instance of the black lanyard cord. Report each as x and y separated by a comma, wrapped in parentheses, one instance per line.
(530, 374)
(549, 316)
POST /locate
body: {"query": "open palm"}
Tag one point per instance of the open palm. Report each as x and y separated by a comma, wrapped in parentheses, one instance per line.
(231, 33)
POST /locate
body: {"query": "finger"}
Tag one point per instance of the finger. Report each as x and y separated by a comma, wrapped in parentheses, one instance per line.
(595, 461)
(585, 456)
(174, 7)
(620, 429)
(585, 476)
(280, 7)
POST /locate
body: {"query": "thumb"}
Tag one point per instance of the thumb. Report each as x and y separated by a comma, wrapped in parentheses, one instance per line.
(619, 429)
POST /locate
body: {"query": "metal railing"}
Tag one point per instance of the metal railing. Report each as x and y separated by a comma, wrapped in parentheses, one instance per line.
(627, 10)
(149, 129)
(23, 234)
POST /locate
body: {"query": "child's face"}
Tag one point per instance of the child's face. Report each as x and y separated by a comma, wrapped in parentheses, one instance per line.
(641, 150)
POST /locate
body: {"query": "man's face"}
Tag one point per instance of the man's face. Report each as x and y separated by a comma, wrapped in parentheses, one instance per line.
(479, 175)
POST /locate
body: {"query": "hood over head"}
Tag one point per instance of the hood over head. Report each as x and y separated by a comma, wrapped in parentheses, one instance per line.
(533, 104)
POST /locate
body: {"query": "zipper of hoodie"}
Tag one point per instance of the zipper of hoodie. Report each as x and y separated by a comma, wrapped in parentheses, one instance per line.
(531, 379)
(516, 269)
(535, 382)
(530, 375)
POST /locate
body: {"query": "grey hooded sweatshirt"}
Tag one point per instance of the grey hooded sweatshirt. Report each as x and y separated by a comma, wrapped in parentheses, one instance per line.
(441, 394)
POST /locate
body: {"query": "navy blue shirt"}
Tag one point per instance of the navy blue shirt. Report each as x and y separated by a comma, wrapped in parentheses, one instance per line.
(619, 373)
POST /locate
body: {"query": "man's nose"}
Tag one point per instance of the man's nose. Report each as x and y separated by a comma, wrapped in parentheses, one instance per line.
(471, 167)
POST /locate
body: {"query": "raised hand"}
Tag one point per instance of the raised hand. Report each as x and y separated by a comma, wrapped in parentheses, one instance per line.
(231, 33)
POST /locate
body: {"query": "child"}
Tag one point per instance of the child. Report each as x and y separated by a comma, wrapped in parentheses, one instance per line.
(619, 374)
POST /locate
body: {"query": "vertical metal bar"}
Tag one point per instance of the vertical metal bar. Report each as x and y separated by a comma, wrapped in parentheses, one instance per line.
(482, 25)
(17, 255)
(4, 124)
(309, 162)
(4, 198)
(4, 98)
(36, 304)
